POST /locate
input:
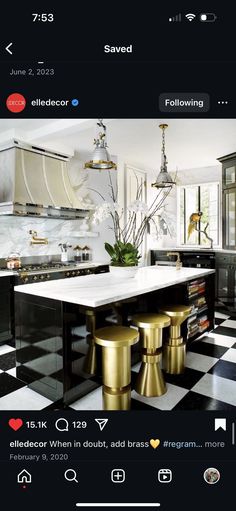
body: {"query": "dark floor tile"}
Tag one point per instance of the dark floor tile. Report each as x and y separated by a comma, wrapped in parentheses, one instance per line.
(186, 380)
(224, 330)
(194, 401)
(224, 369)
(218, 321)
(211, 350)
(57, 405)
(28, 375)
(75, 355)
(11, 343)
(30, 353)
(234, 345)
(138, 405)
(9, 384)
(8, 361)
(58, 375)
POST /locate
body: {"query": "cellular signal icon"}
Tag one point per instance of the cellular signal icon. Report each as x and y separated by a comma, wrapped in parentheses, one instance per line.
(176, 18)
(190, 16)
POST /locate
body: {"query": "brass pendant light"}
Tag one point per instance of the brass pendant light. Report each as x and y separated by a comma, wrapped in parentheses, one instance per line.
(100, 157)
(163, 180)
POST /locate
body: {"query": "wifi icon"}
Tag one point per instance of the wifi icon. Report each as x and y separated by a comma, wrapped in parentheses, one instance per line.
(190, 16)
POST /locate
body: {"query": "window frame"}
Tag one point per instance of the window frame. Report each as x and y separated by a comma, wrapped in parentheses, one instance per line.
(198, 245)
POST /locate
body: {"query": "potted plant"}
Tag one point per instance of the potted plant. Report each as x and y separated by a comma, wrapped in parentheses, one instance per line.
(128, 233)
(124, 258)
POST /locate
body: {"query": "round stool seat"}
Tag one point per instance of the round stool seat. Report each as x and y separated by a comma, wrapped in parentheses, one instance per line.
(116, 336)
(176, 310)
(151, 320)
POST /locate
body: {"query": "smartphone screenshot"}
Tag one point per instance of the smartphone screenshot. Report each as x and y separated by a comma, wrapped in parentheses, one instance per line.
(117, 256)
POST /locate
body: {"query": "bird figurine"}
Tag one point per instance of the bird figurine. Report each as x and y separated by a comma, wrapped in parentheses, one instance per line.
(193, 221)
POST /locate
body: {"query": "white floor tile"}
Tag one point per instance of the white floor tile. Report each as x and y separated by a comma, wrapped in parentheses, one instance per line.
(166, 402)
(230, 355)
(200, 362)
(216, 387)
(52, 344)
(24, 399)
(6, 349)
(229, 323)
(136, 367)
(12, 372)
(219, 315)
(81, 346)
(93, 401)
(220, 340)
(47, 364)
(1, 371)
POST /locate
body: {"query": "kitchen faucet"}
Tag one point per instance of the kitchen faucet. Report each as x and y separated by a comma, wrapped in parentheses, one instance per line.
(178, 264)
(35, 240)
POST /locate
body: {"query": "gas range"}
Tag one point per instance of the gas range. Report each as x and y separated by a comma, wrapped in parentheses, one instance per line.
(30, 273)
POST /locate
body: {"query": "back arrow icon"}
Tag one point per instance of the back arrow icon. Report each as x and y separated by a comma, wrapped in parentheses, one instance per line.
(8, 48)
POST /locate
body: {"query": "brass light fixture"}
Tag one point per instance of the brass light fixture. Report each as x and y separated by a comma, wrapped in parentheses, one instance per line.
(163, 180)
(100, 157)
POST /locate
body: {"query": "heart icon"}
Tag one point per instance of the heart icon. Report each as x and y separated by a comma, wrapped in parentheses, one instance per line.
(15, 424)
(154, 443)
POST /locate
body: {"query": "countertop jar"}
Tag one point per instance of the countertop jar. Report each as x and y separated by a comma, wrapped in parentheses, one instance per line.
(78, 254)
(13, 261)
(86, 254)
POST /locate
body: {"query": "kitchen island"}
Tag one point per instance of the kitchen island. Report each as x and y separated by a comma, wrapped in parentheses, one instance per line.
(51, 338)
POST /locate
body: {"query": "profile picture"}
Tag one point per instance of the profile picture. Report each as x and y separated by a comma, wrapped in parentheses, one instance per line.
(211, 475)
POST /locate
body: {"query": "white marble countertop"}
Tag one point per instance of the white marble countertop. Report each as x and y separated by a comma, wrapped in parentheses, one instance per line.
(97, 290)
(8, 273)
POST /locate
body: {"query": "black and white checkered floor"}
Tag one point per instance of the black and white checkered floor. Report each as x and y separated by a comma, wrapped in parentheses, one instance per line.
(209, 381)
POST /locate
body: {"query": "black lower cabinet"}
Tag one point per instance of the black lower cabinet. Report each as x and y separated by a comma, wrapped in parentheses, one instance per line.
(6, 309)
(226, 278)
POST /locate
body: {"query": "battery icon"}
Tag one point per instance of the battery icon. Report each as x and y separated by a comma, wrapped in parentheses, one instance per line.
(208, 17)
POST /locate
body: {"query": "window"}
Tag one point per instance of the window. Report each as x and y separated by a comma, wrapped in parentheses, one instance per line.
(204, 198)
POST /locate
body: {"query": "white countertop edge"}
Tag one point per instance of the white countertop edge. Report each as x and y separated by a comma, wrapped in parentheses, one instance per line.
(7, 273)
(54, 290)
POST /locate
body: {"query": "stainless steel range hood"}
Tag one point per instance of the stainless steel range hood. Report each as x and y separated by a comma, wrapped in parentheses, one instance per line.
(35, 182)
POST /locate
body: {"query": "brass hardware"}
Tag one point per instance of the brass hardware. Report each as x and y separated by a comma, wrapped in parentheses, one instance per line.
(90, 363)
(178, 264)
(174, 351)
(35, 240)
(116, 342)
(150, 381)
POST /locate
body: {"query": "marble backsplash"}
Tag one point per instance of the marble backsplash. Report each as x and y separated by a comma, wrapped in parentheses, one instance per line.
(15, 237)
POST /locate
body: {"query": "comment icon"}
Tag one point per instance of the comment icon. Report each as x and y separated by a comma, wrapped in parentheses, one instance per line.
(62, 424)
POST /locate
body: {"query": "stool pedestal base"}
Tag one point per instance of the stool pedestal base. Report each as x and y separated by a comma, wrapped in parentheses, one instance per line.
(174, 358)
(150, 381)
(116, 399)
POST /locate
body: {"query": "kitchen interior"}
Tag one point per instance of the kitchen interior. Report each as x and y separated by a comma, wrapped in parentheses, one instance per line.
(117, 270)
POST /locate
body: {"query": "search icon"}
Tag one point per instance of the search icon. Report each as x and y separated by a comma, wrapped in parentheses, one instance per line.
(62, 424)
(70, 475)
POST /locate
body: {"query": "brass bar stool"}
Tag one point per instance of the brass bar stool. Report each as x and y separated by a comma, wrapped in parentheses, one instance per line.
(90, 363)
(150, 381)
(174, 351)
(116, 342)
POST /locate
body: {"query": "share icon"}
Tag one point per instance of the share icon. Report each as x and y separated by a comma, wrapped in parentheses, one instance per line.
(102, 423)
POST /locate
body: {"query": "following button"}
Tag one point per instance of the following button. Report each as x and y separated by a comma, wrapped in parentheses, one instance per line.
(184, 102)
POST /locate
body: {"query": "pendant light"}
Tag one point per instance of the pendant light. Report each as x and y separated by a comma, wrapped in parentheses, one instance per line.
(100, 157)
(163, 180)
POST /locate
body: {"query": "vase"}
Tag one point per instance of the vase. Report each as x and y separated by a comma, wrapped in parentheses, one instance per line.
(123, 272)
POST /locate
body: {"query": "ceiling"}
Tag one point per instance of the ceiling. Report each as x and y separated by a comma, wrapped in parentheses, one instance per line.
(190, 143)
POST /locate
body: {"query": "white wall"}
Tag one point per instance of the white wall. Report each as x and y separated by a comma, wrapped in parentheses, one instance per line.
(14, 231)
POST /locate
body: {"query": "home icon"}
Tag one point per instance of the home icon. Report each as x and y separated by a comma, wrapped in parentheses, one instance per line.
(24, 477)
